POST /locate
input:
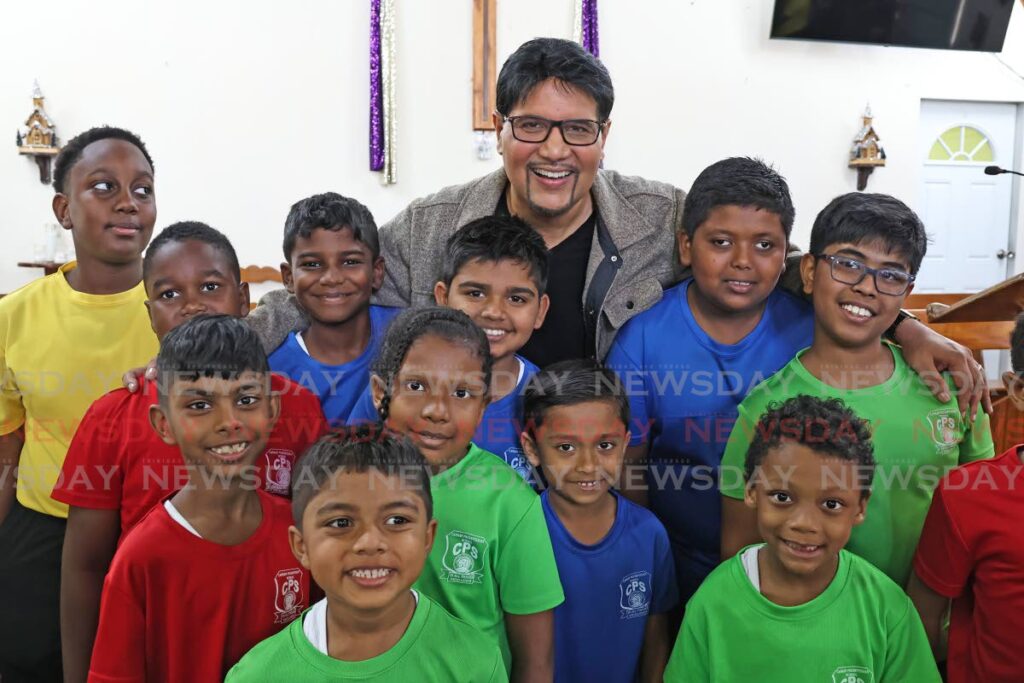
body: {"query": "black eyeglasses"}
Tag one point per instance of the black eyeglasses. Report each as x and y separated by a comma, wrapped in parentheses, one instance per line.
(575, 132)
(850, 271)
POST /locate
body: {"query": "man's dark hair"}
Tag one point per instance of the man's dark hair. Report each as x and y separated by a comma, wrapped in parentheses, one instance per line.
(415, 323)
(493, 239)
(569, 383)
(571, 66)
(359, 449)
(826, 426)
(330, 211)
(72, 151)
(738, 181)
(1017, 345)
(860, 217)
(208, 346)
(191, 231)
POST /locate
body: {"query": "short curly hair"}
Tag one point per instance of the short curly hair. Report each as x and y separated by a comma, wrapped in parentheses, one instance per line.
(72, 151)
(826, 426)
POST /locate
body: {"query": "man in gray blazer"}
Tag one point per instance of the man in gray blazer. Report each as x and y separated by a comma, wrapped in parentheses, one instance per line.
(611, 237)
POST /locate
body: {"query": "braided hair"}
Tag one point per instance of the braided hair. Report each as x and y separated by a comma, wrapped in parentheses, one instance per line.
(414, 323)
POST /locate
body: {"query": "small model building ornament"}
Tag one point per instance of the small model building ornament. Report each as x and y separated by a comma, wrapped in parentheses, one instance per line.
(39, 137)
(866, 152)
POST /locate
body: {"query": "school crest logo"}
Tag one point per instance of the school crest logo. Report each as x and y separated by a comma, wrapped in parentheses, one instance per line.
(288, 598)
(943, 423)
(516, 459)
(852, 674)
(464, 557)
(278, 470)
(635, 595)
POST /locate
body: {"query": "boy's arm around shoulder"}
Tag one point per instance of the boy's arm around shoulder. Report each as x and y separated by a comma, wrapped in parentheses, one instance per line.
(739, 522)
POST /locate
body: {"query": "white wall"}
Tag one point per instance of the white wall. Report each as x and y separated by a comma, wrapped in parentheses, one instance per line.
(248, 106)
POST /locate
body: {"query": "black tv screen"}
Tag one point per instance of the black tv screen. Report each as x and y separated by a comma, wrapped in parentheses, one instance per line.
(947, 24)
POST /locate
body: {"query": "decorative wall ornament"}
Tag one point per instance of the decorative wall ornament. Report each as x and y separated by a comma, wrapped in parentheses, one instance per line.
(39, 137)
(866, 153)
(585, 26)
(382, 89)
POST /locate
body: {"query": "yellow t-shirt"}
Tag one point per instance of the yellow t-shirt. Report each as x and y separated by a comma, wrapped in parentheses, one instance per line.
(60, 350)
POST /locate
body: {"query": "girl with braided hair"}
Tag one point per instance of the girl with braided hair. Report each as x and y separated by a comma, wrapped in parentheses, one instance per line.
(492, 564)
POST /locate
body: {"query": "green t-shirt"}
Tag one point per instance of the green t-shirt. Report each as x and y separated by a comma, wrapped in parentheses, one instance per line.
(861, 628)
(435, 647)
(492, 553)
(916, 439)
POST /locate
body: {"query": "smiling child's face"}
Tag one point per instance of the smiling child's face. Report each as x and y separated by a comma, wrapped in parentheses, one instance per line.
(579, 448)
(220, 425)
(332, 275)
(364, 538)
(853, 316)
(437, 398)
(502, 299)
(807, 504)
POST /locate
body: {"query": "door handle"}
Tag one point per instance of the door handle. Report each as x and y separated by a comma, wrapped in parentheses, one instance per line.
(1002, 253)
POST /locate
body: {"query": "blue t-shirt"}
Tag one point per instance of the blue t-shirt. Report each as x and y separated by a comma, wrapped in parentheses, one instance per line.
(502, 422)
(499, 428)
(337, 386)
(610, 590)
(684, 390)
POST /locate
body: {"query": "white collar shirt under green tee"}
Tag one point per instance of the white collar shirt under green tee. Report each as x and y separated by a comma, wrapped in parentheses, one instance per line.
(492, 552)
(435, 647)
(916, 440)
(861, 629)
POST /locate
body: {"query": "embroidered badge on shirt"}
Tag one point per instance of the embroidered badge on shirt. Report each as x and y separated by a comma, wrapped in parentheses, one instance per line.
(278, 470)
(516, 459)
(463, 559)
(852, 674)
(635, 595)
(288, 599)
(945, 434)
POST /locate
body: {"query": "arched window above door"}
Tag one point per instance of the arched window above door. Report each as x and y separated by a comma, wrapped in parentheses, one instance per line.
(962, 144)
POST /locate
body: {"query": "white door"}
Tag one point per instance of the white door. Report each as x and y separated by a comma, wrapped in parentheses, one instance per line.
(966, 213)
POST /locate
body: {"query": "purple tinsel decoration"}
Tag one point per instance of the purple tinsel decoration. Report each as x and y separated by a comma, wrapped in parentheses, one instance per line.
(376, 96)
(589, 21)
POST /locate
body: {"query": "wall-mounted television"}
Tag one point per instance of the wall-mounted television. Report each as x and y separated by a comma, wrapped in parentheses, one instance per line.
(947, 24)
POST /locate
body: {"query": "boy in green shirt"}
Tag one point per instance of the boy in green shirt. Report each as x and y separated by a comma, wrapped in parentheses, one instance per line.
(798, 607)
(363, 528)
(865, 252)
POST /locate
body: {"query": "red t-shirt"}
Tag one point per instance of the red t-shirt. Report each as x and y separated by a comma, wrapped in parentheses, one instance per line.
(972, 550)
(177, 607)
(117, 462)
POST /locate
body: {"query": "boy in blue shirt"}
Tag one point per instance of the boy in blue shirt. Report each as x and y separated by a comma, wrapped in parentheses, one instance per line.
(688, 361)
(613, 556)
(495, 271)
(333, 266)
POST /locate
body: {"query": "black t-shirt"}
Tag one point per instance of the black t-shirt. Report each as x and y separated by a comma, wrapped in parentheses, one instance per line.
(564, 332)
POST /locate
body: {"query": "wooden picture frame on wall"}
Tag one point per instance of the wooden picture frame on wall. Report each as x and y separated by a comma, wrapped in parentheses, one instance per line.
(484, 62)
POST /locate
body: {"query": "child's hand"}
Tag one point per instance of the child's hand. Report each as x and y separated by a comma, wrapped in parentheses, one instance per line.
(130, 379)
(930, 354)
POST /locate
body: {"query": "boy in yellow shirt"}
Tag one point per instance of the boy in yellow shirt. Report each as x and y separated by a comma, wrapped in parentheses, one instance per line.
(64, 340)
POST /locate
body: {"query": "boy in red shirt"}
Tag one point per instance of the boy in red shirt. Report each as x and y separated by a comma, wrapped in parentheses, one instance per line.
(971, 552)
(209, 573)
(118, 468)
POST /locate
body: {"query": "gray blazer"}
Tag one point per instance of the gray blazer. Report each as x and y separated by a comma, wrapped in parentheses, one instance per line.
(632, 258)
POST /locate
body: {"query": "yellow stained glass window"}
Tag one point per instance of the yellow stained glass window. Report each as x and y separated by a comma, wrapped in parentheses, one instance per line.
(961, 143)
